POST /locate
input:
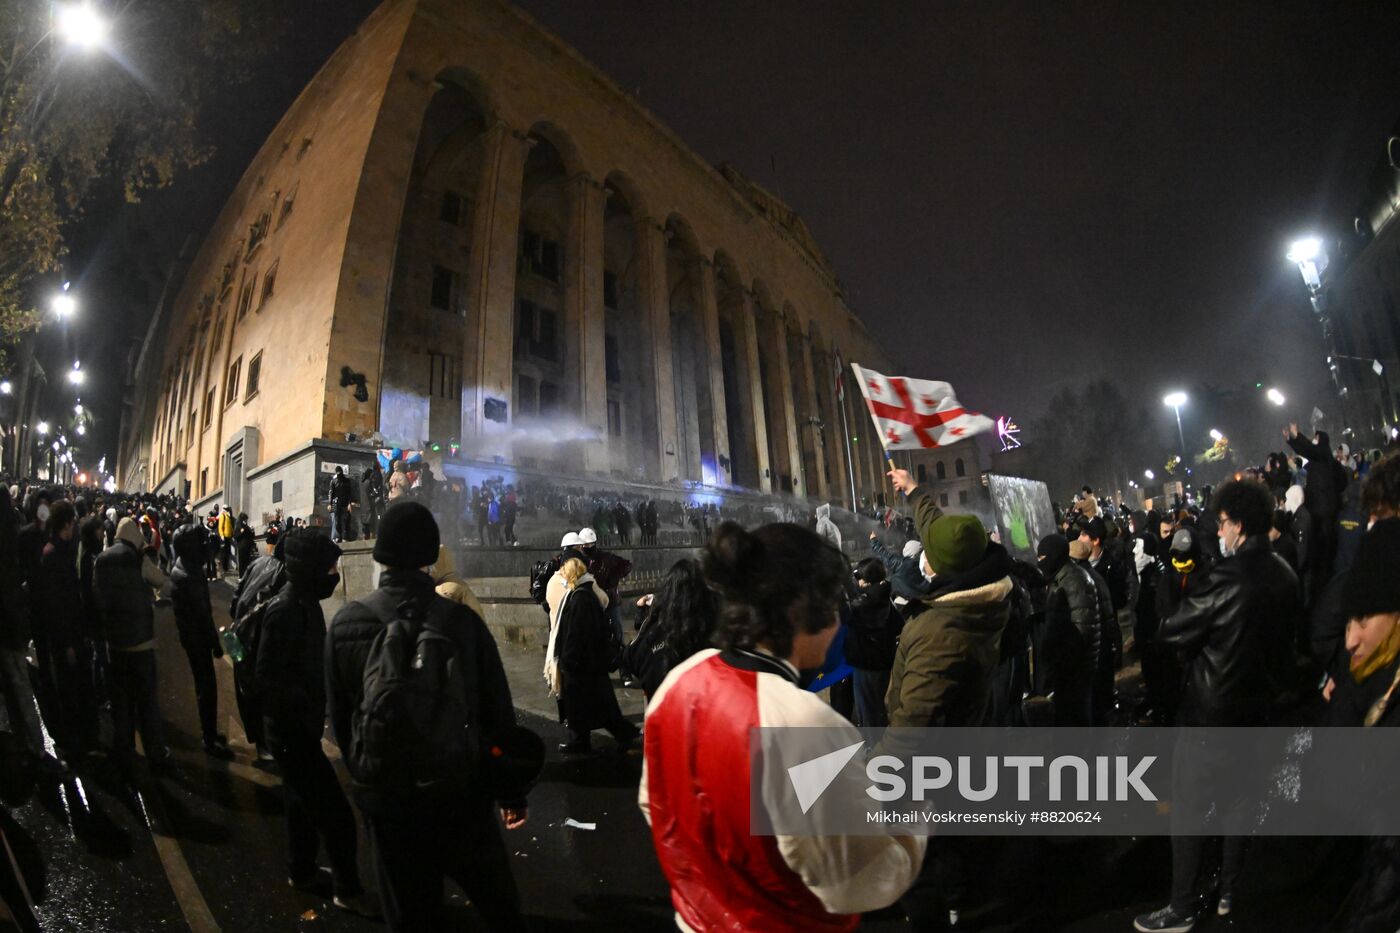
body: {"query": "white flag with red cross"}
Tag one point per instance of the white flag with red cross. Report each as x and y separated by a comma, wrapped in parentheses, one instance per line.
(914, 414)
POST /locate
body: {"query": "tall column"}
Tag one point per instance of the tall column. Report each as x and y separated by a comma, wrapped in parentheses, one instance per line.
(585, 365)
(749, 347)
(488, 355)
(714, 363)
(654, 297)
(783, 380)
(810, 406)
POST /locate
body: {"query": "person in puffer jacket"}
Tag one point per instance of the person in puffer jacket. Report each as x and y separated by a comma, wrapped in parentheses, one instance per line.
(779, 587)
(1069, 644)
(194, 619)
(123, 577)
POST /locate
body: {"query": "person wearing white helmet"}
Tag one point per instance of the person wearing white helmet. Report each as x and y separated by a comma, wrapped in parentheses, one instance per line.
(608, 570)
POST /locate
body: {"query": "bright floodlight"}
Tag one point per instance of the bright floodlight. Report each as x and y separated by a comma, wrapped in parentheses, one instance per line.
(42, 427)
(1148, 474)
(76, 375)
(79, 24)
(1215, 435)
(1276, 397)
(64, 304)
(1174, 400)
(1305, 250)
(81, 430)
(5, 387)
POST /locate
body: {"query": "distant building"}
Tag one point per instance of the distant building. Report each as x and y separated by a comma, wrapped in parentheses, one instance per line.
(464, 239)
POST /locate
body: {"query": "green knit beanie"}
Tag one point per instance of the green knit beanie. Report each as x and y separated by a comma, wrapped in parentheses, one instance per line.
(954, 543)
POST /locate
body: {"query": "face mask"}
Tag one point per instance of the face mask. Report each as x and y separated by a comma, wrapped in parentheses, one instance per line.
(42, 513)
(1226, 550)
(325, 587)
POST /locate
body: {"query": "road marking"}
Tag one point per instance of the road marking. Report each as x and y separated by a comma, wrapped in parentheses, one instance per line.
(177, 870)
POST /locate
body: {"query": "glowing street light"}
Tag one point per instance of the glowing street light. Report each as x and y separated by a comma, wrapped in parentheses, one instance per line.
(1276, 397)
(1174, 401)
(42, 427)
(76, 374)
(79, 24)
(64, 304)
(1149, 474)
(5, 387)
(82, 429)
(1216, 435)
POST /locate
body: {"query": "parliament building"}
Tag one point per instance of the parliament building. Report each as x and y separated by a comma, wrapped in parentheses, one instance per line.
(464, 239)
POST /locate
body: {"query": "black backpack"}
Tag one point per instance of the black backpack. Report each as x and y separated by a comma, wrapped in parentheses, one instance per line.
(415, 727)
(540, 572)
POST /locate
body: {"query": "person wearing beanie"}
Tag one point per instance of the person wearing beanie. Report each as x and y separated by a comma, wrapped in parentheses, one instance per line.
(947, 655)
(424, 834)
(907, 581)
(1069, 643)
(291, 688)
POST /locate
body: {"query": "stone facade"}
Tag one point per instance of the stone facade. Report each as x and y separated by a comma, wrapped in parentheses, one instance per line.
(463, 234)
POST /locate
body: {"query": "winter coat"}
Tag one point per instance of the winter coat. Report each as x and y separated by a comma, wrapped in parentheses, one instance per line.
(1326, 477)
(60, 619)
(1073, 631)
(826, 528)
(123, 577)
(906, 577)
(451, 586)
(226, 526)
(194, 616)
(1110, 635)
(347, 645)
(341, 492)
(14, 601)
(952, 641)
(722, 876)
(609, 570)
(584, 650)
(371, 487)
(873, 630)
(1236, 636)
(290, 666)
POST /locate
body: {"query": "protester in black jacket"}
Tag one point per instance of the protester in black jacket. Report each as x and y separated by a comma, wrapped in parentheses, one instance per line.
(194, 619)
(258, 586)
(907, 580)
(1071, 633)
(423, 835)
(1110, 636)
(1327, 479)
(872, 636)
(15, 634)
(61, 626)
(672, 624)
(291, 687)
(123, 577)
(1234, 636)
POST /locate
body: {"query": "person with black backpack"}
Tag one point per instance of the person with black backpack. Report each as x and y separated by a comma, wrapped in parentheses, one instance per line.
(417, 695)
(291, 686)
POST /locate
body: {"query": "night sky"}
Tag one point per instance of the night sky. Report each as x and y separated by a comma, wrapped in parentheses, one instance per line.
(1018, 196)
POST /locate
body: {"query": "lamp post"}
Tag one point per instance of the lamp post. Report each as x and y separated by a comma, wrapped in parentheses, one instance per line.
(1310, 256)
(1215, 434)
(1174, 401)
(1276, 397)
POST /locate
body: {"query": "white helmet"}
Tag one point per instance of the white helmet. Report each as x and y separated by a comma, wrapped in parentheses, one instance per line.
(587, 536)
(571, 539)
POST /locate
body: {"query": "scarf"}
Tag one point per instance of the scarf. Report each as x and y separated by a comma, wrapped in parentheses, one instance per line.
(552, 674)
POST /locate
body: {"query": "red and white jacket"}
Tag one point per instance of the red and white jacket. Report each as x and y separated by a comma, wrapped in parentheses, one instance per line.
(695, 795)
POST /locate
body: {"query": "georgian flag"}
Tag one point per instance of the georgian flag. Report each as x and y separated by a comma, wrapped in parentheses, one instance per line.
(913, 414)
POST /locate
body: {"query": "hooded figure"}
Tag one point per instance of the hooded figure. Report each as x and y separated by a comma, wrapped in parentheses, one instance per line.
(826, 527)
(194, 618)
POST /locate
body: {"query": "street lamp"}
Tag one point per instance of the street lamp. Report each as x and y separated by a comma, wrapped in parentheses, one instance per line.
(5, 387)
(64, 304)
(1174, 401)
(1276, 397)
(76, 375)
(79, 24)
(1216, 435)
(42, 427)
(1149, 474)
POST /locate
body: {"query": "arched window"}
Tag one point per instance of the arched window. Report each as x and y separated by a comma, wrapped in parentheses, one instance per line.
(959, 468)
(923, 474)
(941, 469)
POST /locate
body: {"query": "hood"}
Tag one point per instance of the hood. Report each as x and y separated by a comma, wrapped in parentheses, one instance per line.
(445, 570)
(112, 516)
(189, 542)
(824, 511)
(130, 532)
(996, 565)
(989, 593)
(1293, 499)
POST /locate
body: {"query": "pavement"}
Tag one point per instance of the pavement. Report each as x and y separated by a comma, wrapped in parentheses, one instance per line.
(202, 847)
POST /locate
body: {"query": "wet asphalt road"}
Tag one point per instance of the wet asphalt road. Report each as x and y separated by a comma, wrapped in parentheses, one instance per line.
(202, 848)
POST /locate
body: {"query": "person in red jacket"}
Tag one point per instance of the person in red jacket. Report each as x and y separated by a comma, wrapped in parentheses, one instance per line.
(779, 588)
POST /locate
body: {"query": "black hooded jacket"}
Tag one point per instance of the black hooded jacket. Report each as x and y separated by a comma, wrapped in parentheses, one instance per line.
(194, 616)
(873, 633)
(1322, 496)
